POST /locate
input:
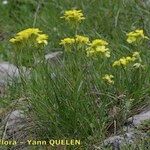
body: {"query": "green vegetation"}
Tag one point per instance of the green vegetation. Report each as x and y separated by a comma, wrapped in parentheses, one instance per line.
(77, 100)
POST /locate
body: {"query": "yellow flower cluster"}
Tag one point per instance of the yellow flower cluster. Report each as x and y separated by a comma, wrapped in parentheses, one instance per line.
(28, 33)
(42, 39)
(126, 60)
(73, 16)
(98, 47)
(108, 78)
(98, 42)
(80, 40)
(136, 36)
(67, 41)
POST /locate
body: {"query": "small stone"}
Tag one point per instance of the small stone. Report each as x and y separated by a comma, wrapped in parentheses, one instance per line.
(8, 72)
(138, 119)
(132, 134)
(15, 121)
(112, 140)
(4, 2)
(54, 57)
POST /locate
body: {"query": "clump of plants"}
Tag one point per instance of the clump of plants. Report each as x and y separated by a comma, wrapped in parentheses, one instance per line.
(92, 93)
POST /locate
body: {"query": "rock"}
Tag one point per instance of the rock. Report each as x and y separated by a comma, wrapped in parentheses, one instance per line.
(131, 133)
(15, 121)
(147, 2)
(116, 142)
(4, 2)
(138, 119)
(14, 117)
(54, 57)
(16, 124)
(8, 72)
(113, 140)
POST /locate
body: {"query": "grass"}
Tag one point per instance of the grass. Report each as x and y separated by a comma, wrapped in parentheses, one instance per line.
(72, 100)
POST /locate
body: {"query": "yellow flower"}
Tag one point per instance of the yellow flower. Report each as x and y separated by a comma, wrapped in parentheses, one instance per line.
(15, 40)
(73, 16)
(135, 35)
(123, 61)
(103, 50)
(82, 39)
(25, 34)
(42, 39)
(100, 50)
(67, 41)
(98, 47)
(108, 79)
(126, 60)
(98, 42)
(28, 33)
(116, 63)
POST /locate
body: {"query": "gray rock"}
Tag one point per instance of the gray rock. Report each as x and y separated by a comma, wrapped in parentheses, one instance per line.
(15, 121)
(114, 139)
(5, 2)
(147, 2)
(8, 71)
(16, 129)
(54, 57)
(121, 140)
(138, 119)
(131, 134)
(15, 117)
